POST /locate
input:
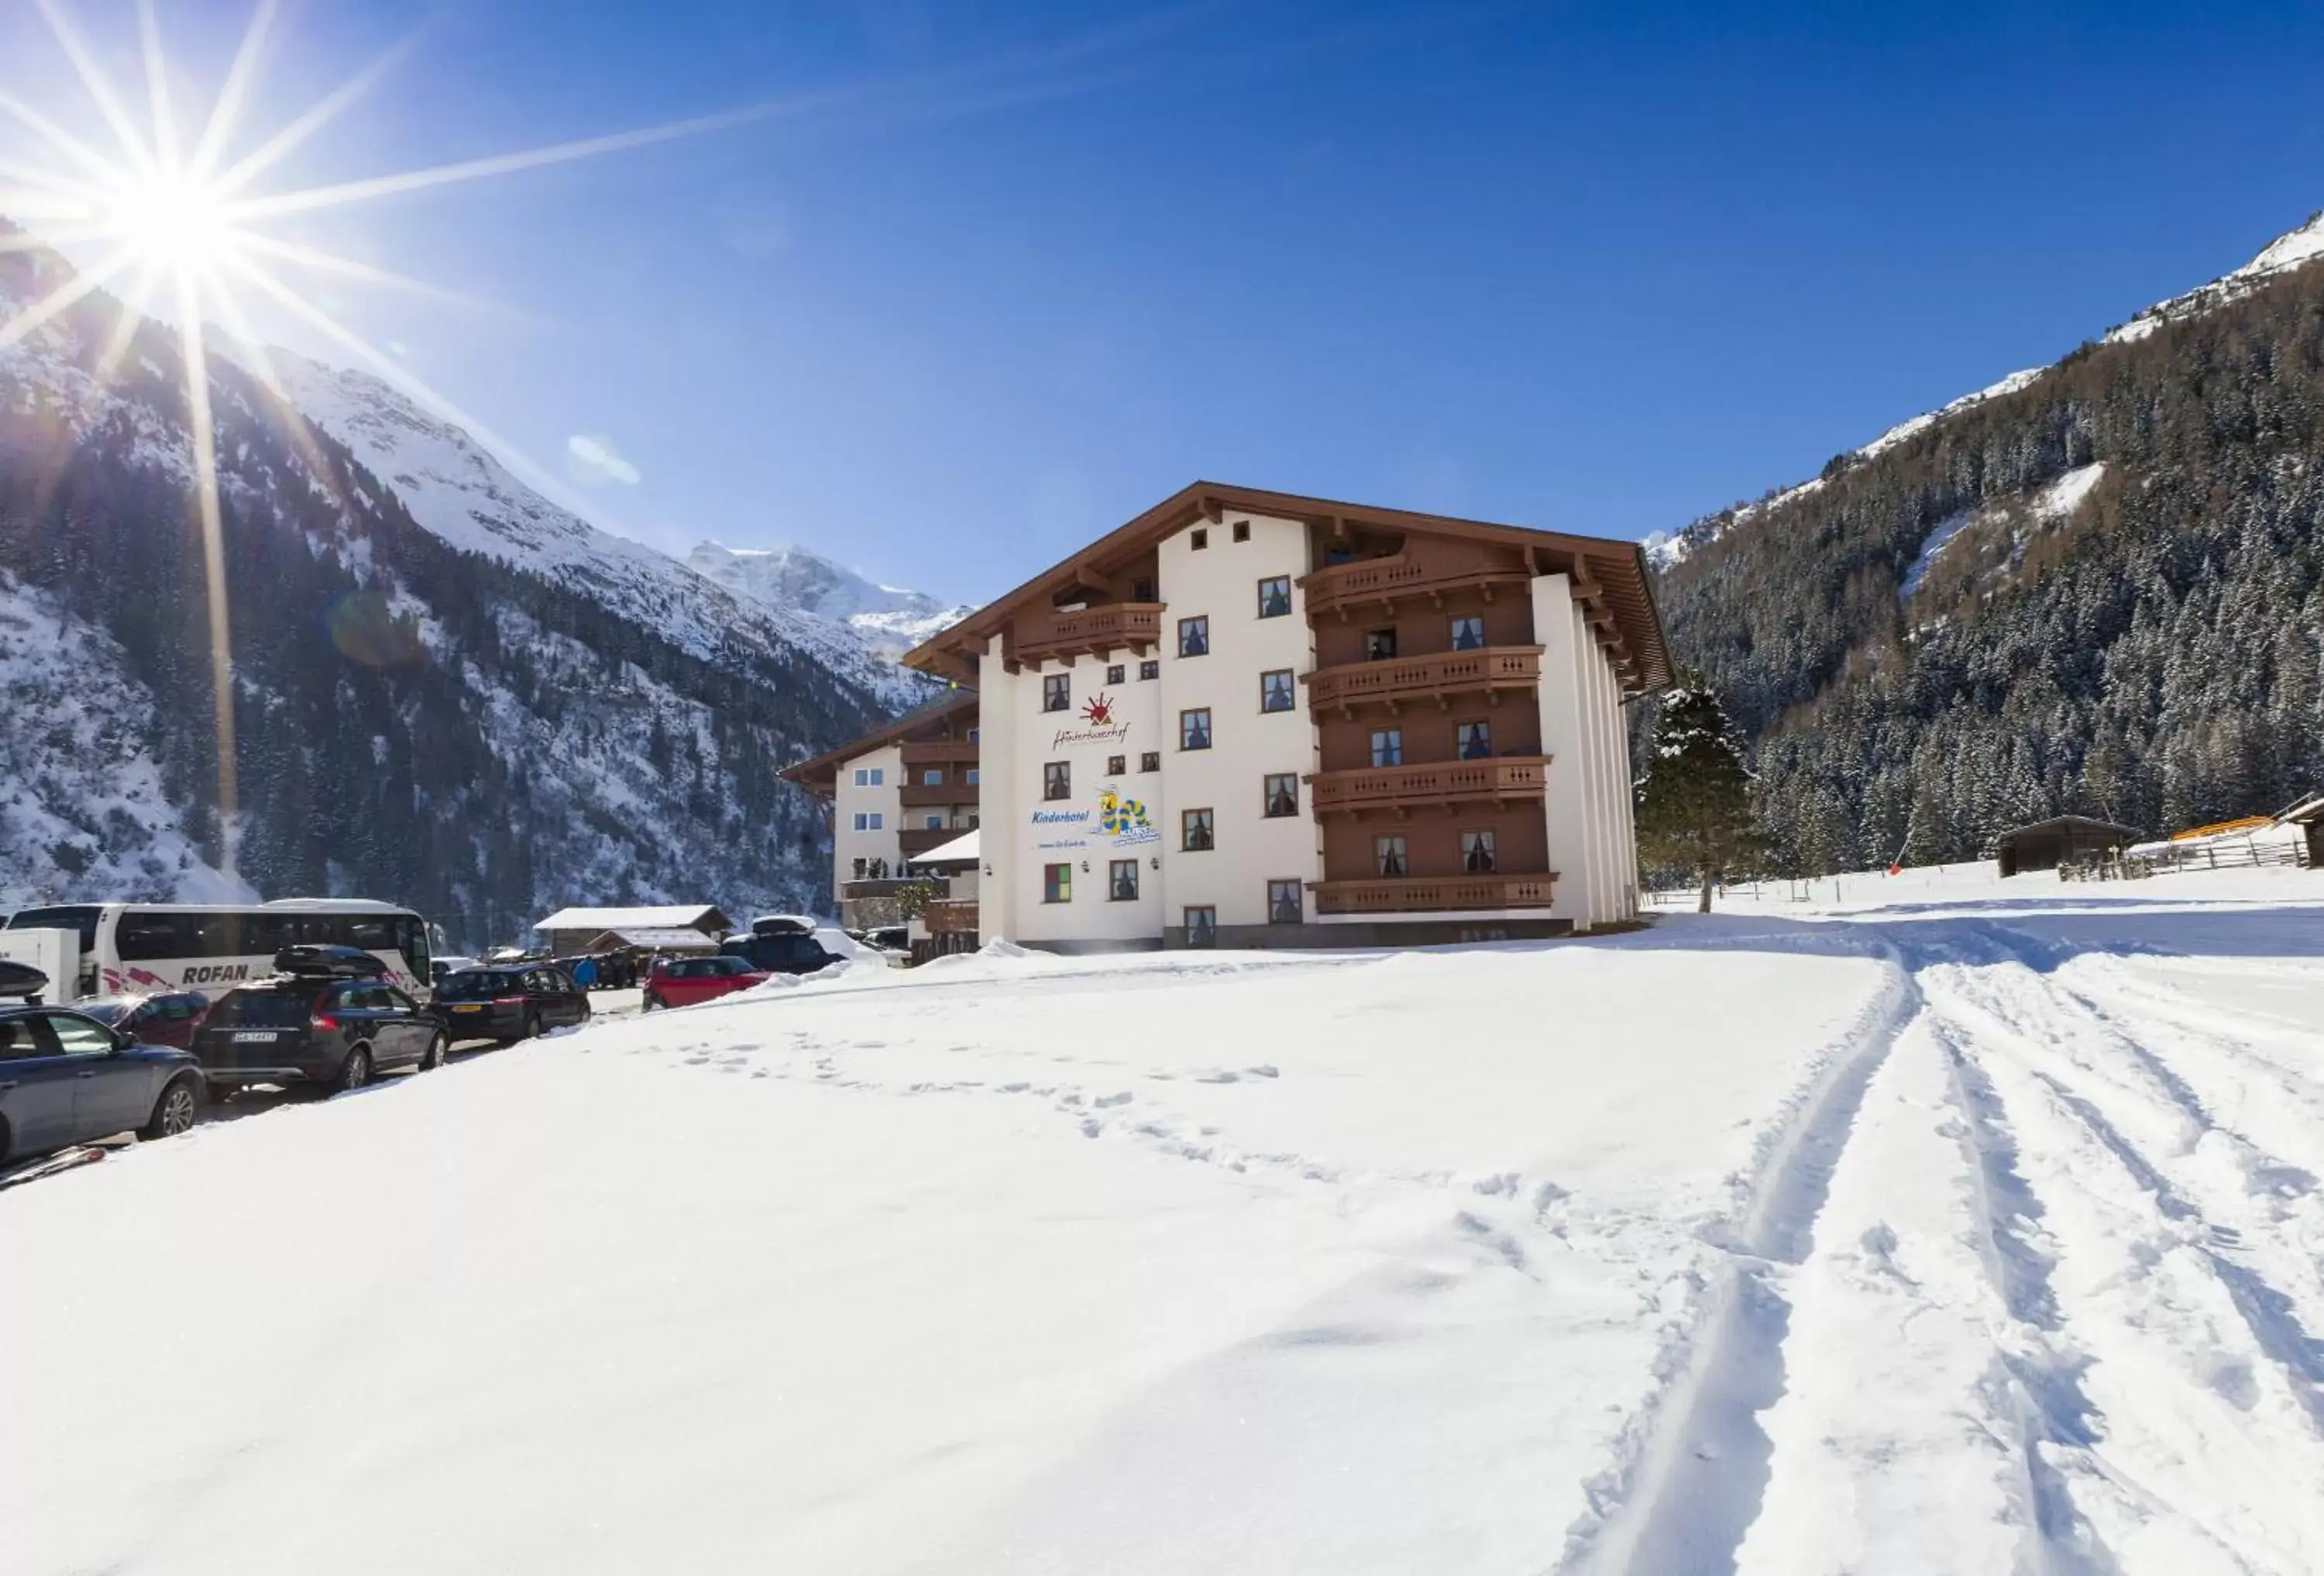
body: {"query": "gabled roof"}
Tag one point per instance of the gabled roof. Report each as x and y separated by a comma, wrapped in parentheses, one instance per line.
(1618, 567)
(668, 917)
(819, 771)
(2060, 823)
(647, 938)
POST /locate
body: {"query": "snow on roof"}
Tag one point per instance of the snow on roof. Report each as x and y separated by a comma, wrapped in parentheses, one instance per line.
(648, 938)
(959, 850)
(688, 915)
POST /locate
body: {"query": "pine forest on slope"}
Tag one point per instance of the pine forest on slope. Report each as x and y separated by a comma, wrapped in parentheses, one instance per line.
(449, 693)
(2097, 588)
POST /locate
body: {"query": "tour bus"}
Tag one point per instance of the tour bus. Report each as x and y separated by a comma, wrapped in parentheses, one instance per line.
(132, 947)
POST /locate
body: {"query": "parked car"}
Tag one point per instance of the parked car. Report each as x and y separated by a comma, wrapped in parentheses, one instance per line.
(65, 1078)
(508, 1005)
(328, 1018)
(442, 967)
(782, 954)
(167, 1019)
(684, 981)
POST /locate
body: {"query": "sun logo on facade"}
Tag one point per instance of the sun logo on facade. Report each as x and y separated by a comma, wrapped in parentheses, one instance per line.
(1098, 710)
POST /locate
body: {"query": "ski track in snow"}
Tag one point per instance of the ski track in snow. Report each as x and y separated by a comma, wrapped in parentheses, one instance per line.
(2124, 1263)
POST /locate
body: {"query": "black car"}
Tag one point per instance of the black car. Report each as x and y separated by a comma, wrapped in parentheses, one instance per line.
(329, 1019)
(779, 953)
(65, 1079)
(509, 1004)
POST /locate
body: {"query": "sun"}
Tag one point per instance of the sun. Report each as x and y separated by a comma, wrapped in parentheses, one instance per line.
(173, 221)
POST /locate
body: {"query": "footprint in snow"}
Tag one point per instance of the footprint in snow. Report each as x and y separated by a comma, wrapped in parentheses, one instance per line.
(1222, 1075)
(1103, 1100)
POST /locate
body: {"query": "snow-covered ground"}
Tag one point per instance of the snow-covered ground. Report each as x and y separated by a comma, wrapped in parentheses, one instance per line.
(1929, 1224)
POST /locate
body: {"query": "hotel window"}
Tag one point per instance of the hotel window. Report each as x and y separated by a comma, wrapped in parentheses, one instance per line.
(1195, 830)
(1057, 781)
(1056, 691)
(1477, 852)
(1275, 691)
(1115, 765)
(1149, 668)
(873, 777)
(972, 734)
(1469, 632)
(1195, 729)
(867, 821)
(1387, 746)
(1113, 675)
(1281, 793)
(1275, 597)
(1142, 591)
(931, 778)
(862, 778)
(974, 776)
(1203, 927)
(1387, 854)
(934, 823)
(1283, 903)
(1242, 530)
(1056, 883)
(1121, 880)
(1151, 760)
(1474, 741)
(1198, 539)
(1380, 645)
(1195, 636)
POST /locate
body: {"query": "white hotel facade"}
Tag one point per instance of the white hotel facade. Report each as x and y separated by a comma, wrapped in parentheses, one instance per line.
(1250, 718)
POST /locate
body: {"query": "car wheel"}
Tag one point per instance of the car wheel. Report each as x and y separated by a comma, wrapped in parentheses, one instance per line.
(353, 1073)
(433, 1056)
(4, 1143)
(652, 1003)
(174, 1113)
(532, 1023)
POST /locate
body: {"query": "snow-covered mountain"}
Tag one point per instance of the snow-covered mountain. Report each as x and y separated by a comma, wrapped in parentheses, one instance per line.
(887, 620)
(447, 690)
(1665, 548)
(454, 487)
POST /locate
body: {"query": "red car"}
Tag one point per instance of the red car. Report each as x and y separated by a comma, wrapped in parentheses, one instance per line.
(684, 981)
(167, 1019)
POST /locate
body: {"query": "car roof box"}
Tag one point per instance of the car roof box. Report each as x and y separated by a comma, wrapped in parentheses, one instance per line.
(20, 979)
(329, 963)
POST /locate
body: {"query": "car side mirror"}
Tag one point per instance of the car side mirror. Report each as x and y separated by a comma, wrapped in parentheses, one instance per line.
(123, 1039)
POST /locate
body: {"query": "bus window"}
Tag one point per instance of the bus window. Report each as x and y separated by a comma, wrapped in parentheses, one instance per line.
(373, 934)
(414, 947)
(142, 933)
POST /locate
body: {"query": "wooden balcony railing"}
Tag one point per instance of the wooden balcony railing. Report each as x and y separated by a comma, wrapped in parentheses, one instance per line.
(940, 752)
(1340, 587)
(1440, 894)
(951, 917)
(1396, 680)
(888, 887)
(1446, 783)
(915, 841)
(914, 794)
(1136, 625)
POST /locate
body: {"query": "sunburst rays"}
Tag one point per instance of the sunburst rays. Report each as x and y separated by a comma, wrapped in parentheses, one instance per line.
(183, 228)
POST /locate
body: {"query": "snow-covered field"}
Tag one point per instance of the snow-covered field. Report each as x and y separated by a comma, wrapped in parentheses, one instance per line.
(1927, 1226)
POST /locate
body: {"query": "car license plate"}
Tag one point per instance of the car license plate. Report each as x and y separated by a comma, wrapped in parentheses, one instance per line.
(475, 1008)
(255, 1037)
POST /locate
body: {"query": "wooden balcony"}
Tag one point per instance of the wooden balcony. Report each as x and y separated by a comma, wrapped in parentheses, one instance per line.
(939, 794)
(1438, 894)
(888, 887)
(915, 841)
(1406, 788)
(1398, 681)
(1342, 588)
(941, 752)
(1093, 631)
(951, 917)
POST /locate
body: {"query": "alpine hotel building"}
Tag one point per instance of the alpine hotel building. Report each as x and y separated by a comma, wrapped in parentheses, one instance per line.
(1247, 718)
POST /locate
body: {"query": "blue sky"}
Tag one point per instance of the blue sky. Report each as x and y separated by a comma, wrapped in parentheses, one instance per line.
(1009, 272)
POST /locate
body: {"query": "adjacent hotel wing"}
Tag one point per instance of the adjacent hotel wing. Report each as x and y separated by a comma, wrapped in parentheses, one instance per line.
(1247, 718)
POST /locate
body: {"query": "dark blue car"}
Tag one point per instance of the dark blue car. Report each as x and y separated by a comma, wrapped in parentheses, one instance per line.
(66, 1079)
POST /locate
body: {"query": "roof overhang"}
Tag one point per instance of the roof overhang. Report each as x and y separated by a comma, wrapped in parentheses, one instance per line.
(1608, 573)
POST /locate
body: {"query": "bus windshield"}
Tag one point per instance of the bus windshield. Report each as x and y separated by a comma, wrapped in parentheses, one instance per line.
(79, 919)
